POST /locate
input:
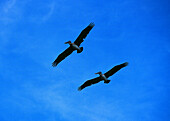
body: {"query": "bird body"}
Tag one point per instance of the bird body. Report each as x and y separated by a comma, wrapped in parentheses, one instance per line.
(106, 80)
(103, 76)
(73, 46)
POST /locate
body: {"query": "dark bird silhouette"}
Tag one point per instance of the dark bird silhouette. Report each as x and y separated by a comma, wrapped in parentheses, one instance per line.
(74, 46)
(103, 76)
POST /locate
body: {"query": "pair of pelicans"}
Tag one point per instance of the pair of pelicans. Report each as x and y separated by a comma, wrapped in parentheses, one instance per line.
(75, 46)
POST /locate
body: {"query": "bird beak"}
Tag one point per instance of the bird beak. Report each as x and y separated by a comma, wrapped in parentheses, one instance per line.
(67, 42)
(99, 72)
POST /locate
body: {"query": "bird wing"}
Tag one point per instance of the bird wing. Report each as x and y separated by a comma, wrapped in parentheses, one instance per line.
(115, 69)
(90, 82)
(62, 56)
(83, 34)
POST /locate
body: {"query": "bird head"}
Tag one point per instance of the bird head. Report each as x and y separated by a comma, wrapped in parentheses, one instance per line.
(69, 42)
(99, 73)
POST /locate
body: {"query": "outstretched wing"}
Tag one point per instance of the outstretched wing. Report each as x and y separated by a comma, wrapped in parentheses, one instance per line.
(90, 82)
(62, 56)
(115, 69)
(83, 34)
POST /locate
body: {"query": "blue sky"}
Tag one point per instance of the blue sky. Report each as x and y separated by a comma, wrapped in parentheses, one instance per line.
(32, 35)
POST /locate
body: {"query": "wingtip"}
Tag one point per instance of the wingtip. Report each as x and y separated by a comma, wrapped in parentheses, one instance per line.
(79, 89)
(126, 63)
(54, 64)
(92, 24)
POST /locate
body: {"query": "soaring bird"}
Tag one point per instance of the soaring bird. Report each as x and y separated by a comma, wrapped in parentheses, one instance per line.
(74, 46)
(103, 76)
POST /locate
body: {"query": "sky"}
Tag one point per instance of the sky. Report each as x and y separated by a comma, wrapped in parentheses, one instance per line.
(32, 35)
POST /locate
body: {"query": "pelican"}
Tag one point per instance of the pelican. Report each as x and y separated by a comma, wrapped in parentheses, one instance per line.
(74, 46)
(103, 76)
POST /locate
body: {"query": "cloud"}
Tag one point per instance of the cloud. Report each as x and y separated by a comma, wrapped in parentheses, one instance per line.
(49, 13)
(14, 10)
(42, 12)
(10, 12)
(54, 99)
(9, 5)
(70, 105)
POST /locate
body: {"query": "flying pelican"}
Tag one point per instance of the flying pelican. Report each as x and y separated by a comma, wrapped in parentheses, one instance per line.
(103, 76)
(74, 46)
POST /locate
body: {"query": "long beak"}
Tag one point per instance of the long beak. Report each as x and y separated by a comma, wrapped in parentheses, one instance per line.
(69, 42)
(97, 73)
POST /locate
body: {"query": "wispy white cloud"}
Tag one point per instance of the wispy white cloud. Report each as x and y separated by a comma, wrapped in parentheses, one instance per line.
(51, 7)
(70, 106)
(9, 5)
(43, 12)
(14, 10)
(10, 12)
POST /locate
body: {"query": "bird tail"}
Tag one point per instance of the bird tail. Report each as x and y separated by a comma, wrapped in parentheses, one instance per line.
(81, 49)
(107, 81)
